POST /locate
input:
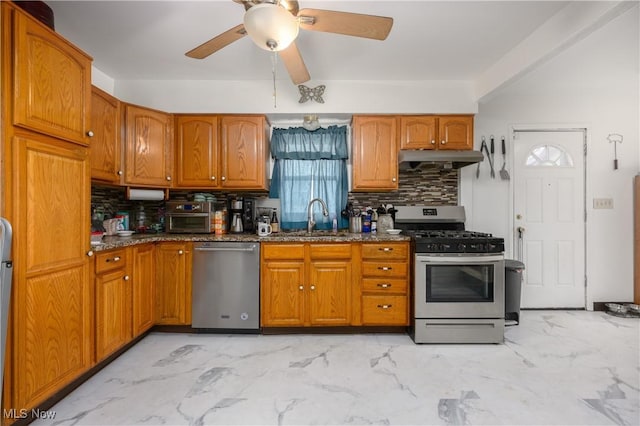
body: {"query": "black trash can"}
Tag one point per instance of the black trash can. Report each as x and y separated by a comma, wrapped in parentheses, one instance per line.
(512, 290)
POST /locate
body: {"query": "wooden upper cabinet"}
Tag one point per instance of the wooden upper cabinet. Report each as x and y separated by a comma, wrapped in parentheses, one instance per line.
(243, 152)
(197, 151)
(148, 147)
(418, 132)
(455, 132)
(105, 143)
(375, 153)
(52, 81)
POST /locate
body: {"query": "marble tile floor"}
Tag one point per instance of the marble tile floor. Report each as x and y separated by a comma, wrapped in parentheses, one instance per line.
(555, 368)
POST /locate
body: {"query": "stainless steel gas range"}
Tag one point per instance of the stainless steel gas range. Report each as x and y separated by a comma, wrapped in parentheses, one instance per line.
(458, 294)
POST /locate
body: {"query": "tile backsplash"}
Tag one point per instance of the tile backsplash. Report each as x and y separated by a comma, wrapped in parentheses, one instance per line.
(432, 186)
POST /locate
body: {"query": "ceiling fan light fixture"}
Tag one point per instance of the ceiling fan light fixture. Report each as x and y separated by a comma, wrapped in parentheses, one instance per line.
(310, 122)
(271, 26)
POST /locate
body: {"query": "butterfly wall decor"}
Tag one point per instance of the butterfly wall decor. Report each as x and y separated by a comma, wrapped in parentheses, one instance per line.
(307, 93)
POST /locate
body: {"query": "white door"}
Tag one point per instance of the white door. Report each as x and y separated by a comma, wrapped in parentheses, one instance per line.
(548, 176)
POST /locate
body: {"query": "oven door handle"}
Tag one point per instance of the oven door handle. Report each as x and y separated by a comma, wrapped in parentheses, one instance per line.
(465, 259)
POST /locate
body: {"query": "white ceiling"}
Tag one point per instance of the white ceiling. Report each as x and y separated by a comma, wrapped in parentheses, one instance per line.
(430, 40)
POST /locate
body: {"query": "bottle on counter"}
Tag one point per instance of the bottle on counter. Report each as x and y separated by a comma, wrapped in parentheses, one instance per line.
(275, 226)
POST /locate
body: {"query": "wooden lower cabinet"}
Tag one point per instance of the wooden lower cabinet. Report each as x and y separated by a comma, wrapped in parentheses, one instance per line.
(143, 287)
(306, 284)
(173, 283)
(113, 302)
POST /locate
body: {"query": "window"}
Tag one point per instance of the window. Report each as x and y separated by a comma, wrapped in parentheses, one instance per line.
(549, 156)
(309, 164)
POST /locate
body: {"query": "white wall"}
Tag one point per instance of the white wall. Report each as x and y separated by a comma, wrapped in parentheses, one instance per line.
(594, 84)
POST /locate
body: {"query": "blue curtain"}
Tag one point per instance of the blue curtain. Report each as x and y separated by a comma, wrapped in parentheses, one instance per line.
(310, 165)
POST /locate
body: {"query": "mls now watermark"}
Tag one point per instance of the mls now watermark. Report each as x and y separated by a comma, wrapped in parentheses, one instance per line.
(36, 413)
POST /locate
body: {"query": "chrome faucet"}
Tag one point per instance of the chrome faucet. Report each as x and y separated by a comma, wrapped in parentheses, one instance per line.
(310, 222)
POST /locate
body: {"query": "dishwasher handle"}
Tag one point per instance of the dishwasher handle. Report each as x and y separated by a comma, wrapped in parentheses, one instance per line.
(249, 249)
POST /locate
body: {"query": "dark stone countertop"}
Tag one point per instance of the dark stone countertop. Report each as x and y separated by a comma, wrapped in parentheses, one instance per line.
(112, 242)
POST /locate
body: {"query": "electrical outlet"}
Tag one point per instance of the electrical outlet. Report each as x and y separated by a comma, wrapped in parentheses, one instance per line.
(603, 203)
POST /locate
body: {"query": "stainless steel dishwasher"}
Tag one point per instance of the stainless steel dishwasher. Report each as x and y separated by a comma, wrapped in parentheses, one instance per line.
(226, 286)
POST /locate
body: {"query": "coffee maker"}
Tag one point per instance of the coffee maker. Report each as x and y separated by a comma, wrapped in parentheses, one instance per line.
(245, 210)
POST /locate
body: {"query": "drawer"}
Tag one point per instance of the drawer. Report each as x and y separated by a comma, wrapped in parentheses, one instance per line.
(112, 259)
(384, 269)
(282, 251)
(384, 310)
(384, 285)
(330, 251)
(398, 251)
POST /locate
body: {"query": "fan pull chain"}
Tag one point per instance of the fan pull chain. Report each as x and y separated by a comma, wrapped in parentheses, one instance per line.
(274, 61)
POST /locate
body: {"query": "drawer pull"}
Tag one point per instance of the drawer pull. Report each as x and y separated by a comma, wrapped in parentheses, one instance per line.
(301, 287)
(115, 259)
(313, 287)
(386, 249)
(384, 306)
(385, 268)
(384, 285)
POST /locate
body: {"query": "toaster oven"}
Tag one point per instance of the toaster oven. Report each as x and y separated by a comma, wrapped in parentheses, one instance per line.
(184, 217)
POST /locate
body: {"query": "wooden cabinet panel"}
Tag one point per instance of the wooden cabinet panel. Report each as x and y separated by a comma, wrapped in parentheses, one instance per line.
(330, 293)
(399, 251)
(52, 81)
(197, 151)
(455, 132)
(375, 153)
(418, 132)
(282, 251)
(243, 152)
(143, 286)
(384, 269)
(384, 310)
(105, 146)
(330, 251)
(282, 293)
(148, 147)
(113, 311)
(110, 260)
(385, 285)
(173, 283)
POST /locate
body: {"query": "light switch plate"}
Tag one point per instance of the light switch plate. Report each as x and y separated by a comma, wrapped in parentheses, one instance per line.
(603, 203)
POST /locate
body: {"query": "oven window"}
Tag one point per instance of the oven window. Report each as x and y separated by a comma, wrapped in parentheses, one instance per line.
(189, 223)
(459, 283)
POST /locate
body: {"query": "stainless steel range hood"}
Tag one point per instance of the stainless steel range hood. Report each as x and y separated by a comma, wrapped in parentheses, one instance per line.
(418, 159)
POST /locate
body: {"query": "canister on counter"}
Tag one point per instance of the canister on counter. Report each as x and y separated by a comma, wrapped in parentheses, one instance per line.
(220, 222)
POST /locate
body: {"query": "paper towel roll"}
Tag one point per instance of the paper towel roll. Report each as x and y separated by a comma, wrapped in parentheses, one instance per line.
(146, 194)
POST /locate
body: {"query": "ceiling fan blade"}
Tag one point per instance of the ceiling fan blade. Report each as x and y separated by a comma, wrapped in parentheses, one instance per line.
(294, 64)
(351, 24)
(218, 42)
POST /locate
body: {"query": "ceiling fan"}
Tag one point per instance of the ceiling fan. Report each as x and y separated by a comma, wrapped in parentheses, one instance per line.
(273, 25)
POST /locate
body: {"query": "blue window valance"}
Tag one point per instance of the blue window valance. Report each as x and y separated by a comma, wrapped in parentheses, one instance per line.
(297, 143)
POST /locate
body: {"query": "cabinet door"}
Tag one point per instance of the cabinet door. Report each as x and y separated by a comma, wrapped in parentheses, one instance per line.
(375, 154)
(243, 152)
(173, 283)
(282, 293)
(52, 304)
(52, 83)
(455, 132)
(105, 142)
(113, 312)
(148, 146)
(143, 284)
(330, 293)
(197, 152)
(418, 132)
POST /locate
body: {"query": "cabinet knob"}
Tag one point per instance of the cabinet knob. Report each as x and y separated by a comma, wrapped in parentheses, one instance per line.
(169, 178)
(301, 287)
(223, 178)
(119, 172)
(442, 142)
(313, 287)
(385, 268)
(385, 249)
(115, 259)
(180, 251)
(213, 178)
(433, 141)
(384, 306)
(126, 278)
(384, 285)
(393, 180)
(90, 133)
(90, 253)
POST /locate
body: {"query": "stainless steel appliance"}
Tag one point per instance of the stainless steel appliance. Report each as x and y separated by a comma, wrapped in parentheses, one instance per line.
(189, 216)
(226, 286)
(245, 208)
(458, 294)
(6, 270)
